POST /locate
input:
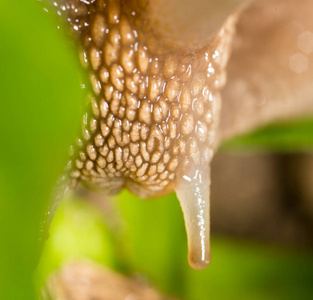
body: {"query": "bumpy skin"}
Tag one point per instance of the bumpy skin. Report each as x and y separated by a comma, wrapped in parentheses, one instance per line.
(154, 110)
(153, 115)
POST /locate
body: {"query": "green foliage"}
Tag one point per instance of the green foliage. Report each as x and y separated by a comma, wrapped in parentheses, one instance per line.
(285, 137)
(152, 242)
(40, 110)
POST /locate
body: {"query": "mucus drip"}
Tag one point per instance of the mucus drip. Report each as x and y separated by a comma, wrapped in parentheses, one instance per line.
(193, 192)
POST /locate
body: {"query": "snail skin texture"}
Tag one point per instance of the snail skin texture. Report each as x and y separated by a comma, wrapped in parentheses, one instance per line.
(160, 104)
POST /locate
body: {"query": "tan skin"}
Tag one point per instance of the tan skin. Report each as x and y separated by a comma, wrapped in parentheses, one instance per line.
(160, 103)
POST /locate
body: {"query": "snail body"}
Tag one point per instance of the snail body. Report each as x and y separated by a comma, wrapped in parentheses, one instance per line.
(152, 124)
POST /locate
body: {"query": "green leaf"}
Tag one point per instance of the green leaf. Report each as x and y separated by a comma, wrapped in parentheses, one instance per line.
(41, 105)
(287, 136)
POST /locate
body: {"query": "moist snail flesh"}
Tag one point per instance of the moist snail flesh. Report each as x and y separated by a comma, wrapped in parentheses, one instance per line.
(152, 124)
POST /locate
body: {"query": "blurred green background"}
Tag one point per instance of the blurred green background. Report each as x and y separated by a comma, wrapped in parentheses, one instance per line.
(41, 103)
(151, 243)
(41, 106)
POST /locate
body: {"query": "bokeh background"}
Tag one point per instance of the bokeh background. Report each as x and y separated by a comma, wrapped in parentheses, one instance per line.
(262, 191)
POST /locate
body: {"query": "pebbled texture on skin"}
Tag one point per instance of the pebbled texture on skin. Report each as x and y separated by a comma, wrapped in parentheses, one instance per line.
(153, 111)
(153, 114)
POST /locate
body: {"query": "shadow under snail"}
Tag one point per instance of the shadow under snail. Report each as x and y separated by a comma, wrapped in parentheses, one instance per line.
(160, 102)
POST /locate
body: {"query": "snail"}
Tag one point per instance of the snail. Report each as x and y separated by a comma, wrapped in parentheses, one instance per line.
(161, 102)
